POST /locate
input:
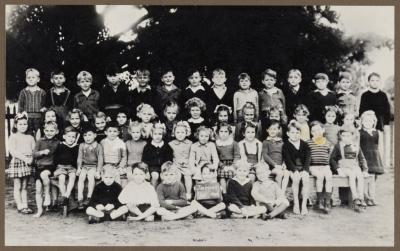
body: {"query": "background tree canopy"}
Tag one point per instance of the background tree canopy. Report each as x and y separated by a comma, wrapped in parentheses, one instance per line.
(238, 39)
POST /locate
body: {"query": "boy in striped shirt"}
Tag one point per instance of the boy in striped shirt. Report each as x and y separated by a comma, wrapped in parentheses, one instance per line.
(319, 166)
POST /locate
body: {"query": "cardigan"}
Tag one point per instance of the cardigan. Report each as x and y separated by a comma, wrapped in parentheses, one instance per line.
(154, 156)
(296, 159)
(103, 195)
(238, 194)
(66, 155)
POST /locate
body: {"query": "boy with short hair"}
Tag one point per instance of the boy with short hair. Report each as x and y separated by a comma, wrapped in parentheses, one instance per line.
(168, 91)
(172, 194)
(143, 93)
(114, 150)
(321, 97)
(268, 194)
(32, 99)
(219, 93)
(195, 87)
(104, 203)
(87, 100)
(65, 161)
(346, 99)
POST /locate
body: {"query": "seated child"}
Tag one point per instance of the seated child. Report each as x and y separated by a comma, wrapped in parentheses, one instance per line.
(331, 127)
(347, 159)
(100, 121)
(238, 196)
(208, 194)
(139, 196)
(104, 203)
(171, 112)
(122, 120)
(146, 115)
(195, 107)
(89, 164)
(268, 194)
(65, 161)
(249, 116)
(300, 115)
(172, 194)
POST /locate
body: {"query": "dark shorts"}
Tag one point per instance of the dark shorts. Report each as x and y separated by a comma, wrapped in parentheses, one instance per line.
(40, 169)
(208, 203)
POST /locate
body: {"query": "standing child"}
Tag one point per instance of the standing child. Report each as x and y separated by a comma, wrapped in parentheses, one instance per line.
(251, 149)
(76, 120)
(203, 151)
(228, 154)
(249, 116)
(168, 91)
(50, 115)
(181, 150)
(139, 196)
(89, 164)
(65, 159)
(21, 146)
(134, 146)
(100, 124)
(347, 159)
(156, 152)
(301, 114)
(114, 150)
(87, 99)
(195, 88)
(195, 107)
(171, 112)
(59, 97)
(208, 198)
(349, 120)
(240, 202)
(272, 155)
(268, 194)
(321, 97)
(331, 127)
(295, 93)
(319, 166)
(346, 99)
(369, 141)
(223, 115)
(244, 95)
(296, 155)
(219, 93)
(171, 194)
(44, 155)
(143, 93)
(147, 115)
(123, 122)
(104, 203)
(32, 99)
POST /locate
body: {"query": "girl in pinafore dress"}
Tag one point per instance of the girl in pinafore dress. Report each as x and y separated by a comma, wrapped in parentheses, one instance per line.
(21, 146)
(369, 142)
(181, 150)
(250, 149)
(228, 153)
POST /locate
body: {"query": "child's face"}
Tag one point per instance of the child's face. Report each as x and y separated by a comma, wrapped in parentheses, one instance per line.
(75, 120)
(294, 134)
(50, 116)
(204, 137)
(143, 80)
(345, 84)
(112, 133)
(368, 123)
(50, 132)
(375, 82)
(244, 83)
(317, 131)
(301, 118)
(121, 118)
(69, 138)
(321, 84)
(268, 82)
(273, 131)
(100, 123)
(22, 125)
(157, 135)
(32, 79)
(294, 79)
(250, 133)
(84, 84)
(206, 174)
(168, 78)
(242, 172)
(113, 80)
(89, 137)
(330, 117)
(180, 133)
(146, 116)
(248, 115)
(169, 177)
(195, 79)
(223, 116)
(138, 176)
(223, 133)
(170, 113)
(275, 115)
(136, 133)
(219, 79)
(195, 112)
(348, 120)
(346, 137)
(58, 80)
(263, 174)
(108, 178)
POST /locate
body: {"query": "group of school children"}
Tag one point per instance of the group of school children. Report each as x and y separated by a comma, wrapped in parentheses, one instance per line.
(207, 150)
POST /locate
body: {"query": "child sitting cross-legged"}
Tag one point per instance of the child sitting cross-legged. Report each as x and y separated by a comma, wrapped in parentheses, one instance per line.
(172, 194)
(268, 194)
(104, 203)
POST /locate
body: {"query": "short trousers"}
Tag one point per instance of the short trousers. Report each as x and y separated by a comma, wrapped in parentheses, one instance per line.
(88, 167)
(64, 169)
(208, 203)
(40, 169)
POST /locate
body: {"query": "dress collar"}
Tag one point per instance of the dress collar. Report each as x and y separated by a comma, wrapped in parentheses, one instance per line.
(196, 121)
(159, 145)
(195, 89)
(228, 142)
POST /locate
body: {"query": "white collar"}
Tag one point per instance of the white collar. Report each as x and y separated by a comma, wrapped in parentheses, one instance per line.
(296, 88)
(196, 121)
(157, 145)
(33, 89)
(228, 142)
(295, 144)
(195, 89)
(323, 92)
(68, 145)
(345, 92)
(242, 182)
(139, 89)
(218, 87)
(87, 93)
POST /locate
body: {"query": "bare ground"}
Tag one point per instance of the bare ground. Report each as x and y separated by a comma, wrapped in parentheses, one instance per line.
(343, 227)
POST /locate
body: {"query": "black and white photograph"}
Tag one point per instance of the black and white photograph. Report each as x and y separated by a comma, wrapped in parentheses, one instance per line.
(196, 125)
